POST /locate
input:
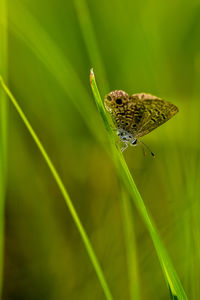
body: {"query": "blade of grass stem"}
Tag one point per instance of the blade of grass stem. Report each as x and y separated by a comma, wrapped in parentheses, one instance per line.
(3, 131)
(125, 175)
(64, 192)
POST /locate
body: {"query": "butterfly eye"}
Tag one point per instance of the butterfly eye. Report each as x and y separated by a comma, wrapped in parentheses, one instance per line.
(109, 98)
(134, 142)
(119, 101)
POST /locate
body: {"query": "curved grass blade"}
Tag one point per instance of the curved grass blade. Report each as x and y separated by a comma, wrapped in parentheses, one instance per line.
(64, 192)
(3, 131)
(168, 270)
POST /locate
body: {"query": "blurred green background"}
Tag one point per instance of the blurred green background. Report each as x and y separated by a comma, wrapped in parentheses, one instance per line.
(147, 46)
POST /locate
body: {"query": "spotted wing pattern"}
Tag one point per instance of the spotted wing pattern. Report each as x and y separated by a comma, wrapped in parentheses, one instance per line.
(156, 112)
(138, 114)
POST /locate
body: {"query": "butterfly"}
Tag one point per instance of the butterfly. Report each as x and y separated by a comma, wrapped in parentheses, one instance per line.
(137, 115)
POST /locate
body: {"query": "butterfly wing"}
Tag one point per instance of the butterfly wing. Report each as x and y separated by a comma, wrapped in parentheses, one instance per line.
(129, 115)
(127, 111)
(156, 112)
(138, 114)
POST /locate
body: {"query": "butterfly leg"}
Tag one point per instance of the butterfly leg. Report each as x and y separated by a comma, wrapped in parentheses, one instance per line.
(125, 146)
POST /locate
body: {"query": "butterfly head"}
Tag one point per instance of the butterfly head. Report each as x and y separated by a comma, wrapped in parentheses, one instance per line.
(115, 99)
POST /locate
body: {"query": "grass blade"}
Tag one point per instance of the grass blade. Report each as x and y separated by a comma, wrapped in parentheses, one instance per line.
(168, 270)
(3, 131)
(63, 190)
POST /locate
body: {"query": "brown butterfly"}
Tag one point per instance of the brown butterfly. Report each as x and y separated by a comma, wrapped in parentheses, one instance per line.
(137, 115)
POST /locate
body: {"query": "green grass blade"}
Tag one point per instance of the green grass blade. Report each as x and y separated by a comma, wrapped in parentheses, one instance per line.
(168, 270)
(63, 190)
(3, 131)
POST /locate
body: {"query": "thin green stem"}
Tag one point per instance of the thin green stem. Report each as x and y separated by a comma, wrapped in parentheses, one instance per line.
(63, 190)
(123, 172)
(3, 132)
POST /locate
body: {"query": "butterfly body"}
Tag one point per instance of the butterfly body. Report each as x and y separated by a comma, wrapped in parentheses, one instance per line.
(138, 114)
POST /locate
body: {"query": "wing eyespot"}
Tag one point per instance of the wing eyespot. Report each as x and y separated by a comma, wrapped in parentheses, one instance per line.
(118, 101)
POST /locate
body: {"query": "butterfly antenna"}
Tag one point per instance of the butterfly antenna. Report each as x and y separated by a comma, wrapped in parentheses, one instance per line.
(148, 148)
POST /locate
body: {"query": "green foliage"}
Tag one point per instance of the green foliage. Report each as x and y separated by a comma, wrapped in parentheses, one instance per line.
(148, 46)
